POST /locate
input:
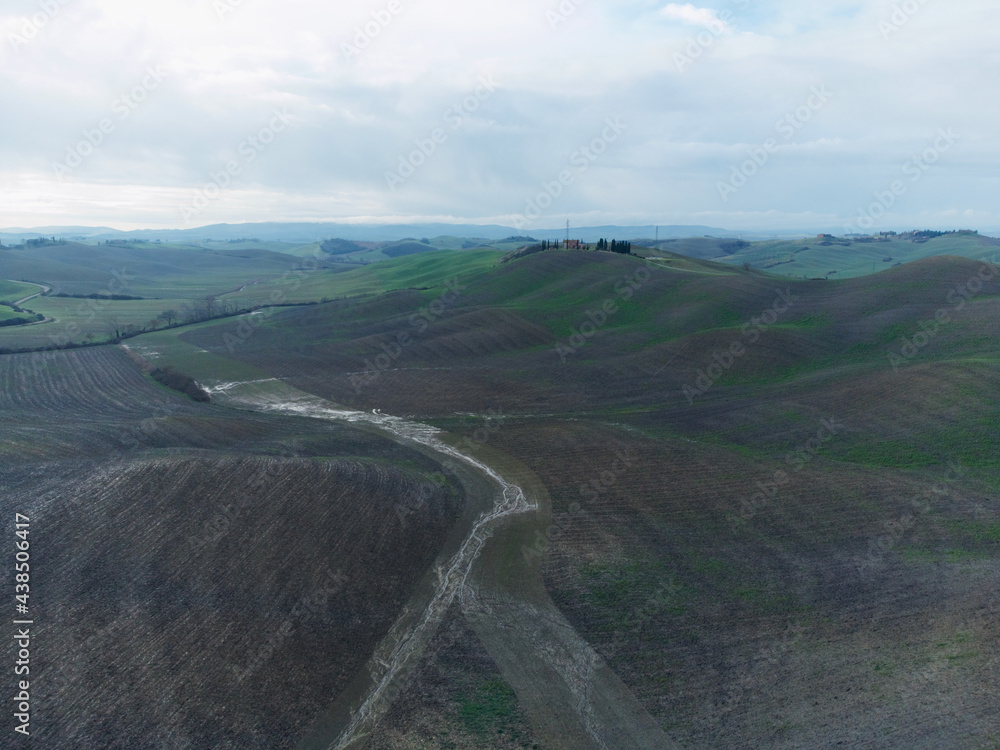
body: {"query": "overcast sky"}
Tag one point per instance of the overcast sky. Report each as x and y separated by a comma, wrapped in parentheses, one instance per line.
(752, 114)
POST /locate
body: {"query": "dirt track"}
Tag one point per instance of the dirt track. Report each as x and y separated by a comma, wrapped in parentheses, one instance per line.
(43, 287)
(574, 700)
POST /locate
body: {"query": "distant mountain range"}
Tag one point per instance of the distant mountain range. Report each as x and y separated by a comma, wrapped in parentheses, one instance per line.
(314, 232)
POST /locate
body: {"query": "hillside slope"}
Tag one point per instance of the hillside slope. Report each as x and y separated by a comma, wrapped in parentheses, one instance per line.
(205, 576)
(838, 257)
(774, 503)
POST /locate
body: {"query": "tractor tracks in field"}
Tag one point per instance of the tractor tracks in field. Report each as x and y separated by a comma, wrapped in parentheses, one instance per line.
(573, 698)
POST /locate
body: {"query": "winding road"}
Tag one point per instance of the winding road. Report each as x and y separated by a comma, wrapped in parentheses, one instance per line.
(45, 290)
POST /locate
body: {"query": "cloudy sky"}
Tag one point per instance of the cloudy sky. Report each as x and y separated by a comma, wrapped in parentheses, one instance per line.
(755, 114)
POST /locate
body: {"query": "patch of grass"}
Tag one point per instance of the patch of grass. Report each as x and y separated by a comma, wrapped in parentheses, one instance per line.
(812, 322)
(708, 566)
(977, 531)
(426, 271)
(973, 442)
(8, 313)
(12, 291)
(622, 591)
(765, 600)
(168, 348)
(885, 453)
(954, 555)
(883, 669)
(747, 587)
(491, 711)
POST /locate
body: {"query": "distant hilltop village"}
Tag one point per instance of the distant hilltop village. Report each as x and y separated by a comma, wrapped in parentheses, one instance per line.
(921, 235)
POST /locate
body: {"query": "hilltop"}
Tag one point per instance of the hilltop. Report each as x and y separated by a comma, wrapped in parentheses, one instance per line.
(738, 464)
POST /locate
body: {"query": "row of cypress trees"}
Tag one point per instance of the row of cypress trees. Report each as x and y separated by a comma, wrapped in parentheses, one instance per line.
(625, 248)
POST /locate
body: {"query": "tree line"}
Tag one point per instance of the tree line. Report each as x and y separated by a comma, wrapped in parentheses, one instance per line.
(625, 248)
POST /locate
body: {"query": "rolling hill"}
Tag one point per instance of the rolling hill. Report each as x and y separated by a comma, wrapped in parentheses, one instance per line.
(751, 481)
(183, 591)
(835, 257)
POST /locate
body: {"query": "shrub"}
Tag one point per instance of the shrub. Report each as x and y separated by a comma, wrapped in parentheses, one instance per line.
(179, 382)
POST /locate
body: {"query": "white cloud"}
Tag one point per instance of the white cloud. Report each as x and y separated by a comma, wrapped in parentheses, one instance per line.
(353, 119)
(695, 16)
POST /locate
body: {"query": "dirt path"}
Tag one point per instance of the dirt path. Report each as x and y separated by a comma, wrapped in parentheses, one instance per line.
(45, 290)
(574, 700)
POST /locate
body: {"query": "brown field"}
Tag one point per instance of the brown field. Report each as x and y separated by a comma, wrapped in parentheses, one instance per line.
(806, 553)
(204, 577)
(846, 600)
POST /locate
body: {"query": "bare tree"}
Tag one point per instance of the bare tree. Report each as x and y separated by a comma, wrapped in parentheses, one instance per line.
(113, 327)
(205, 309)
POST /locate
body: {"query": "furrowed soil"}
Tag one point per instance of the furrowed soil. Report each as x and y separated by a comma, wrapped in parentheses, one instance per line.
(774, 515)
(457, 698)
(202, 577)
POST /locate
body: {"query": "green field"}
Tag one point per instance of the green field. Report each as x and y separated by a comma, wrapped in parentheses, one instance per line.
(427, 271)
(148, 270)
(824, 257)
(180, 278)
(12, 291)
(7, 313)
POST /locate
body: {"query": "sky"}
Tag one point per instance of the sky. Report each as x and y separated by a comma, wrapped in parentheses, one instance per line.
(742, 114)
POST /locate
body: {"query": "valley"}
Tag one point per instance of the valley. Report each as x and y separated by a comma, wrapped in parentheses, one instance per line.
(573, 500)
